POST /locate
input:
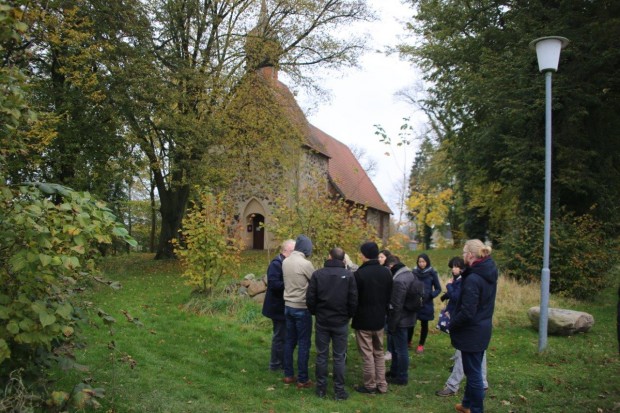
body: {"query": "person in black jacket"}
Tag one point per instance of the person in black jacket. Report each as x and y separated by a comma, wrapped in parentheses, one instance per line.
(273, 306)
(374, 288)
(472, 321)
(399, 321)
(332, 298)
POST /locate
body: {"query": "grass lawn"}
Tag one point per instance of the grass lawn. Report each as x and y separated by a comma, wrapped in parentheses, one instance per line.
(179, 361)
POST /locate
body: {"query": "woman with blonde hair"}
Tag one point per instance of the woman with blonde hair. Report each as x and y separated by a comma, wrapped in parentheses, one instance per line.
(472, 322)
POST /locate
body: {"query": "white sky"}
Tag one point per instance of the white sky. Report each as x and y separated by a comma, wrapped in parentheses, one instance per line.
(364, 97)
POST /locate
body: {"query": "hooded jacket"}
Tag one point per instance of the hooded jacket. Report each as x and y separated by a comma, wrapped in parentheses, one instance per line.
(332, 294)
(398, 317)
(472, 321)
(297, 271)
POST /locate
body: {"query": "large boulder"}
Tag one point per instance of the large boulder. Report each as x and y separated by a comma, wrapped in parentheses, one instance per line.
(562, 322)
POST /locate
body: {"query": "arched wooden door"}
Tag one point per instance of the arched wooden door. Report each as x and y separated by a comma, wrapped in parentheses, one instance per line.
(258, 236)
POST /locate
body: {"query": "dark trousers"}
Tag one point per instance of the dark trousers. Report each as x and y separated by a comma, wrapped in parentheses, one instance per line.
(423, 332)
(400, 355)
(338, 337)
(474, 389)
(298, 333)
(277, 345)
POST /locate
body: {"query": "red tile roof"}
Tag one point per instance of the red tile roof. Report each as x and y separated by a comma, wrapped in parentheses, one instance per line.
(347, 175)
(345, 172)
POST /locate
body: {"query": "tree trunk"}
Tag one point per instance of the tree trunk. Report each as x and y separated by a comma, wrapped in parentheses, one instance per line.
(153, 216)
(173, 205)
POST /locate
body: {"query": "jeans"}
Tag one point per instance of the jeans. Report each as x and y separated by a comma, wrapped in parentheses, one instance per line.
(338, 336)
(277, 345)
(474, 389)
(454, 381)
(400, 355)
(298, 333)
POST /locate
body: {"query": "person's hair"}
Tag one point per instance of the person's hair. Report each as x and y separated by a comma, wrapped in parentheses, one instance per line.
(286, 243)
(337, 253)
(478, 248)
(391, 260)
(456, 262)
(425, 258)
(387, 253)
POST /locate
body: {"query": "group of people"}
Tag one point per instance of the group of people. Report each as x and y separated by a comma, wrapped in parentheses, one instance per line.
(375, 297)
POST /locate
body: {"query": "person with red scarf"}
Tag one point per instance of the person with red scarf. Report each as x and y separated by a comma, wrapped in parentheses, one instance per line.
(472, 321)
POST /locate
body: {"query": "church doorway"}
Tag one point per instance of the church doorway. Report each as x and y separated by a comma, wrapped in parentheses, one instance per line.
(258, 232)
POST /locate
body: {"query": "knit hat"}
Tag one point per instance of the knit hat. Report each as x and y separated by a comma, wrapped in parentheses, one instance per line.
(370, 250)
(303, 244)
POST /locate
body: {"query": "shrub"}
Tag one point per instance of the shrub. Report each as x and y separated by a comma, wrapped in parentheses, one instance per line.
(49, 244)
(328, 221)
(580, 254)
(211, 242)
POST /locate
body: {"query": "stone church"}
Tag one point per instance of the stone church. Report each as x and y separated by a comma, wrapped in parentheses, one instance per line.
(319, 159)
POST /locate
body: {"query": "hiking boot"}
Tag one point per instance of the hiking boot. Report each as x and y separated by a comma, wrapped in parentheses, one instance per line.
(305, 385)
(419, 350)
(365, 390)
(459, 408)
(289, 380)
(341, 396)
(445, 392)
(396, 381)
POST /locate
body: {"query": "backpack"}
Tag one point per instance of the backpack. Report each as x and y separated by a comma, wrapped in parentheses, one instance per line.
(414, 300)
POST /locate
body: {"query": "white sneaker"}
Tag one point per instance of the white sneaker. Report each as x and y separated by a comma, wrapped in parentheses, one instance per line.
(387, 356)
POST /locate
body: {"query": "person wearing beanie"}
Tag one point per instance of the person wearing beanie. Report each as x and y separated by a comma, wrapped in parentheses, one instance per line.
(374, 288)
(297, 271)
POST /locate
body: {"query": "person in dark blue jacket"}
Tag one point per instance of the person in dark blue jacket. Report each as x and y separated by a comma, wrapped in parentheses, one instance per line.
(432, 288)
(453, 287)
(472, 322)
(273, 306)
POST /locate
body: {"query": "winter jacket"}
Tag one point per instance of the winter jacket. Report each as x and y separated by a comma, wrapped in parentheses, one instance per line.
(432, 288)
(332, 294)
(472, 321)
(297, 271)
(374, 288)
(398, 317)
(454, 290)
(273, 306)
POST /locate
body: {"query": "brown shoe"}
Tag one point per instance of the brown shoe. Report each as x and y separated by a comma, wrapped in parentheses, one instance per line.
(305, 385)
(459, 408)
(289, 380)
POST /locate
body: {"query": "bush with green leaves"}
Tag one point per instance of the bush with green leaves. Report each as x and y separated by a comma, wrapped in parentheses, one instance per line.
(210, 242)
(328, 221)
(49, 244)
(581, 256)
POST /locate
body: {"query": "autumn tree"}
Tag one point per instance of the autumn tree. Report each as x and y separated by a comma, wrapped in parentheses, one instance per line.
(486, 99)
(182, 65)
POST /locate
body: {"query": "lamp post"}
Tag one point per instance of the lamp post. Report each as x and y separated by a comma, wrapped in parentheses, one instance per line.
(548, 54)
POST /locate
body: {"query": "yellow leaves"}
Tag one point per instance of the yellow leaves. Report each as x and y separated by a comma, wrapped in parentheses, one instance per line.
(432, 207)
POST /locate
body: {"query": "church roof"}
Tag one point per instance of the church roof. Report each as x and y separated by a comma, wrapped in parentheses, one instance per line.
(345, 172)
(347, 175)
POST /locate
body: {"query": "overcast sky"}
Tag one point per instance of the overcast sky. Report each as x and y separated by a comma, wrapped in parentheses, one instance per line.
(364, 97)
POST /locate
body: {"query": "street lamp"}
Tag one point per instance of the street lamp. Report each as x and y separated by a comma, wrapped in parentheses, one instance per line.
(548, 54)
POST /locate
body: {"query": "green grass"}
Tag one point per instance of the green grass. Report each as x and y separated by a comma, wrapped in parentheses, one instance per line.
(217, 362)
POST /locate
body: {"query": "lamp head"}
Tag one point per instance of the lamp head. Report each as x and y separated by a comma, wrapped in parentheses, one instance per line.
(548, 51)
